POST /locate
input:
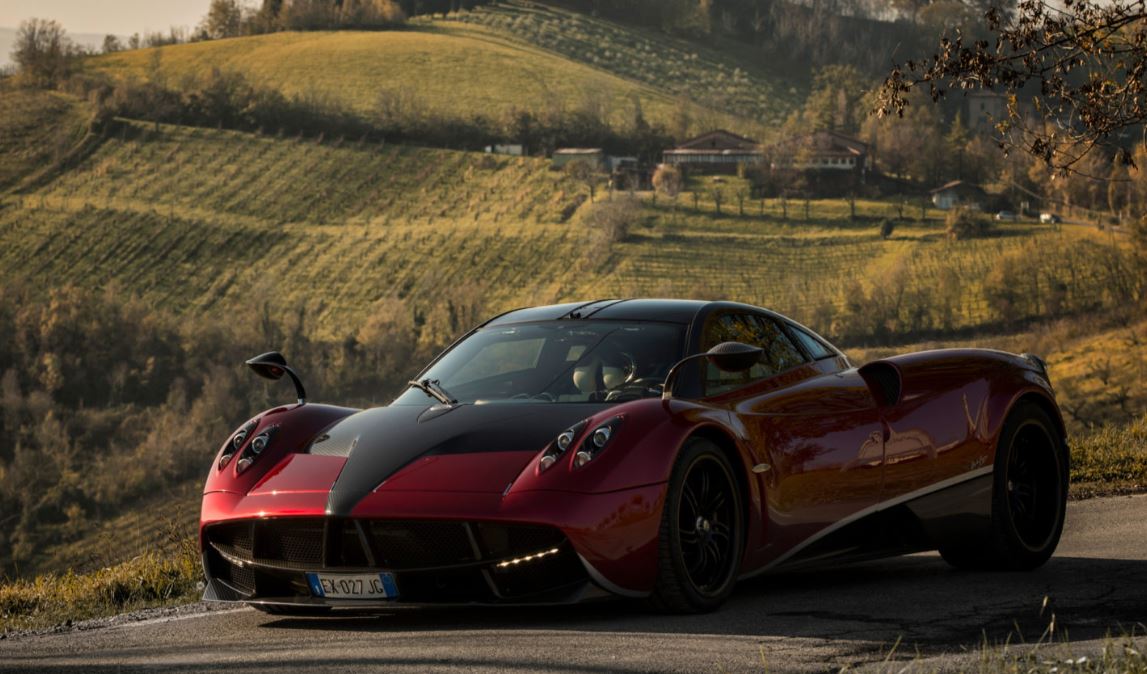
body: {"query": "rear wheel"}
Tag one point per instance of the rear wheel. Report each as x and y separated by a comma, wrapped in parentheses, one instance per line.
(1029, 497)
(702, 532)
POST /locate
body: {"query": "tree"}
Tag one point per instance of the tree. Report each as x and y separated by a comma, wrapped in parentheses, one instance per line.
(912, 146)
(668, 181)
(956, 144)
(718, 196)
(582, 172)
(112, 44)
(966, 224)
(224, 19)
(834, 102)
(1086, 58)
(44, 54)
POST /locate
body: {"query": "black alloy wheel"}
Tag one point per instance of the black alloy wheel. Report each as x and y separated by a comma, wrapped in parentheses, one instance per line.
(1033, 486)
(1029, 497)
(702, 532)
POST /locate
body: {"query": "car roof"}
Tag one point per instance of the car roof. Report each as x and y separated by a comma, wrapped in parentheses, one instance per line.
(672, 311)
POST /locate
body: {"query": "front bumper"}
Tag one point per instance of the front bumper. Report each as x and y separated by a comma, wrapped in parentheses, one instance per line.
(460, 549)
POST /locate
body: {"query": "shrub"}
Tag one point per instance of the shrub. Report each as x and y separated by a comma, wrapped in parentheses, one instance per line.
(612, 219)
(964, 223)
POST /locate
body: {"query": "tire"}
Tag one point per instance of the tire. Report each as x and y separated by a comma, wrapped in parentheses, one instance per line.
(1029, 497)
(702, 532)
(286, 610)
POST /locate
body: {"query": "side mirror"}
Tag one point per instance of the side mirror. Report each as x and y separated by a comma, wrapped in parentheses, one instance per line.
(734, 356)
(726, 356)
(272, 365)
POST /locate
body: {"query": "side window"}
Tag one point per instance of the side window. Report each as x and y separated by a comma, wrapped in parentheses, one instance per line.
(814, 346)
(779, 355)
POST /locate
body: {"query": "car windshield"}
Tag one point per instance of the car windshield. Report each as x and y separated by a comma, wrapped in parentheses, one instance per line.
(569, 361)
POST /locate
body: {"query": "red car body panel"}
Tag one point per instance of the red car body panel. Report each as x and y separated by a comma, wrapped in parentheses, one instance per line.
(817, 449)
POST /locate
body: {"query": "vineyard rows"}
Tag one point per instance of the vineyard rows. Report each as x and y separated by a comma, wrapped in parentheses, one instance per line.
(214, 222)
(709, 78)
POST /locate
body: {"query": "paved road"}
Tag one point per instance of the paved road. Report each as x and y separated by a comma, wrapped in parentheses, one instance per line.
(815, 622)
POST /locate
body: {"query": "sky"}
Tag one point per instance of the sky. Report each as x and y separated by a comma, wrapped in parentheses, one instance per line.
(121, 17)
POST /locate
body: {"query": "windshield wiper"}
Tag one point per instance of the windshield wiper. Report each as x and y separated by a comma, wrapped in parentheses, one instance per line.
(432, 388)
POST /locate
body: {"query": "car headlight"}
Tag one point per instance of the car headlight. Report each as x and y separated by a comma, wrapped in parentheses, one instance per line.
(596, 441)
(257, 446)
(235, 442)
(558, 447)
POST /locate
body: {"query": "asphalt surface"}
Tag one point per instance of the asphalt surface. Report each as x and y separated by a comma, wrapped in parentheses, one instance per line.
(915, 607)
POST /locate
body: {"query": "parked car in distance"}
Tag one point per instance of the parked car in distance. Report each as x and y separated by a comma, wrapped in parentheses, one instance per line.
(1050, 219)
(1008, 216)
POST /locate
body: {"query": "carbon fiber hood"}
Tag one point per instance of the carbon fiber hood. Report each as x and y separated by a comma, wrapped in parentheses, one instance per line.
(380, 441)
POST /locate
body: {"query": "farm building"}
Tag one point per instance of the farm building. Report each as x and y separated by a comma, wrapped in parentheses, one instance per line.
(821, 151)
(959, 193)
(821, 164)
(718, 151)
(592, 156)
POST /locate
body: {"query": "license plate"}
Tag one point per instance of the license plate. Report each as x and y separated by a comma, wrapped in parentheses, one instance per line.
(353, 586)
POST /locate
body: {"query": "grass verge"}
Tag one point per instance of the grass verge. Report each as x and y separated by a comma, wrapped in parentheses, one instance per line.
(1109, 460)
(146, 581)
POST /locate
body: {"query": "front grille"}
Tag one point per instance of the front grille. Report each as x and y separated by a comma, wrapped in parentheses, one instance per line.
(293, 543)
(432, 560)
(233, 539)
(239, 578)
(410, 545)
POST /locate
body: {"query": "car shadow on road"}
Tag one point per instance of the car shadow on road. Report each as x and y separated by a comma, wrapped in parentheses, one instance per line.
(918, 599)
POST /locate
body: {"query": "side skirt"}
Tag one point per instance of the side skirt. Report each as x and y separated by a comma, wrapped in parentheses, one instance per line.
(952, 510)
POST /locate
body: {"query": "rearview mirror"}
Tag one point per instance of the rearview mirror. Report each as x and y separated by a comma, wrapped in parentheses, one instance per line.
(272, 365)
(726, 356)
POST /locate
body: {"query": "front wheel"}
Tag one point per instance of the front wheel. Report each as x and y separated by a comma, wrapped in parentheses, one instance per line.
(1029, 497)
(702, 532)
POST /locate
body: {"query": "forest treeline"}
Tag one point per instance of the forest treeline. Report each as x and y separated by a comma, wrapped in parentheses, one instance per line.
(860, 32)
(106, 399)
(228, 99)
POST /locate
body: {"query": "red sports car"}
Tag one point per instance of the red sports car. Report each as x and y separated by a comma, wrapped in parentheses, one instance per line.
(638, 448)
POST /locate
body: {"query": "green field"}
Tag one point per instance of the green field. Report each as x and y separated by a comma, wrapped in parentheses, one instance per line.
(448, 69)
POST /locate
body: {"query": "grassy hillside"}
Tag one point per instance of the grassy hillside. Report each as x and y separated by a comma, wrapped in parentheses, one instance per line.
(447, 68)
(37, 130)
(206, 220)
(731, 77)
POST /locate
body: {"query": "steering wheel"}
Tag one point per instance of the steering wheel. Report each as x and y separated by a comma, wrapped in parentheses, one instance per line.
(544, 395)
(638, 387)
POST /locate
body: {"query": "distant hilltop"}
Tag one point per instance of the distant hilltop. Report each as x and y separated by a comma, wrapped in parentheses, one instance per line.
(8, 40)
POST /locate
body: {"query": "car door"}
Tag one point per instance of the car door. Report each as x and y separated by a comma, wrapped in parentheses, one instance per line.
(813, 428)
